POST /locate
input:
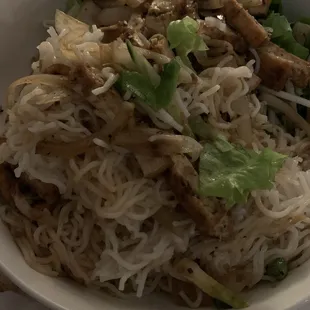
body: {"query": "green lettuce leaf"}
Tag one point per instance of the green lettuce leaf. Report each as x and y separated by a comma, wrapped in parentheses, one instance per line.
(232, 172)
(183, 36)
(282, 35)
(168, 83)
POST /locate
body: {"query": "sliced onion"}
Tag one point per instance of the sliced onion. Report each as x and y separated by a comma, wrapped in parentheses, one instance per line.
(167, 144)
(43, 79)
(257, 59)
(67, 22)
(71, 149)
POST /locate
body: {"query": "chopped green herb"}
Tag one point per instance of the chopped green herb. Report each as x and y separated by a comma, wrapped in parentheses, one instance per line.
(168, 83)
(278, 269)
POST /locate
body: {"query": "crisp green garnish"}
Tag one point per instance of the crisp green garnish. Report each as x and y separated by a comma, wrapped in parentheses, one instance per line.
(278, 269)
(168, 84)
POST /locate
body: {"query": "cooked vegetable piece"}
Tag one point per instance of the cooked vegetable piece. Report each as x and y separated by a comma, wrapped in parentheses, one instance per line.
(231, 172)
(278, 269)
(188, 270)
(183, 36)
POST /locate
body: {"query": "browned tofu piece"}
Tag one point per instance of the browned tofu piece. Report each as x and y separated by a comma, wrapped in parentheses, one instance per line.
(244, 23)
(277, 66)
(183, 180)
(274, 71)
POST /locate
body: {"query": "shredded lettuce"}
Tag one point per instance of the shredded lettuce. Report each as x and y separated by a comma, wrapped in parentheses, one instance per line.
(183, 36)
(282, 35)
(232, 172)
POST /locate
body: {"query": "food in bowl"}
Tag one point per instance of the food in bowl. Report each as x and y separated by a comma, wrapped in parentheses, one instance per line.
(164, 152)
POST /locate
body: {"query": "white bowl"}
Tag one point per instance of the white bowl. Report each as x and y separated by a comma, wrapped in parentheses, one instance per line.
(20, 32)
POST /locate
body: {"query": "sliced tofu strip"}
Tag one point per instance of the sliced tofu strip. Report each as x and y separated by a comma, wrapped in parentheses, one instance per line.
(183, 180)
(277, 66)
(244, 23)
